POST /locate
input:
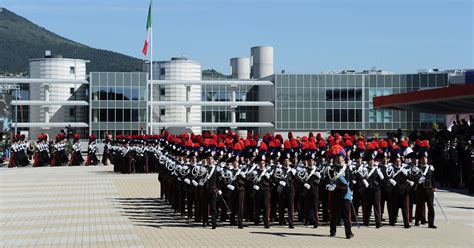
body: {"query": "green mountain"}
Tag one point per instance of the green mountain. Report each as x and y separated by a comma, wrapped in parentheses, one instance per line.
(211, 73)
(21, 40)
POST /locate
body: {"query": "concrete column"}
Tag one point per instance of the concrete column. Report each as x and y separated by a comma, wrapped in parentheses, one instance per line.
(95, 116)
(46, 114)
(46, 92)
(188, 91)
(233, 115)
(188, 113)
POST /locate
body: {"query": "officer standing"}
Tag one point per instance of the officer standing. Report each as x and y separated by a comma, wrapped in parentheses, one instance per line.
(340, 193)
(262, 190)
(372, 193)
(426, 190)
(210, 192)
(287, 195)
(237, 186)
(400, 190)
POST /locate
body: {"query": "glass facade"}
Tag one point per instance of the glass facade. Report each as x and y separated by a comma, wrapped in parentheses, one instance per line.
(118, 103)
(223, 93)
(344, 101)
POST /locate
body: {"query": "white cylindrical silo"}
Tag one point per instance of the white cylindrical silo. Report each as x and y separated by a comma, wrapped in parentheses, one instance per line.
(240, 68)
(56, 67)
(261, 61)
(179, 68)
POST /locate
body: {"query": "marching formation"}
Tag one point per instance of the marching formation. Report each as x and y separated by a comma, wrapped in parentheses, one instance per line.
(307, 180)
(54, 153)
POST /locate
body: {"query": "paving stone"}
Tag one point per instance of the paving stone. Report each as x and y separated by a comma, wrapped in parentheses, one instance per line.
(94, 207)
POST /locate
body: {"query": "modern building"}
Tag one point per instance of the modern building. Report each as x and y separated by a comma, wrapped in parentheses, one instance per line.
(252, 99)
(55, 96)
(118, 103)
(177, 69)
(343, 101)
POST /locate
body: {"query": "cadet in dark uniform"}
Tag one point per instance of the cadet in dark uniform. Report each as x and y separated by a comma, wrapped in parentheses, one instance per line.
(359, 172)
(372, 192)
(340, 195)
(400, 191)
(425, 190)
(262, 190)
(312, 186)
(387, 171)
(210, 192)
(237, 186)
(287, 195)
(76, 156)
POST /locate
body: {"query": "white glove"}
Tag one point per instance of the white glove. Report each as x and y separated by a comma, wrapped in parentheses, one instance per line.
(231, 187)
(267, 175)
(421, 180)
(354, 182)
(195, 183)
(404, 171)
(392, 182)
(411, 183)
(201, 183)
(219, 192)
(318, 175)
(293, 171)
(187, 181)
(434, 193)
(282, 183)
(366, 183)
(242, 174)
(380, 174)
(255, 187)
(307, 186)
(331, 187)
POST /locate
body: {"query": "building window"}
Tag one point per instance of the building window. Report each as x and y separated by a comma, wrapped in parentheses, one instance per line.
(72, 112)
(72, 70)
(162, 71)
(329, 115)
(126, 115)
(344, 95)
(71, 90)
(134, 115)
(103, 115)
(328, 95)
(162, 112)
(119, 115)
(243, 116)
(111, 115)
(162, 92)
(358, 115)
(344, 115)
(337, 115)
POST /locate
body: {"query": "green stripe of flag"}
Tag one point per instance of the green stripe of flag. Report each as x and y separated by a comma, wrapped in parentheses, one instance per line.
(148, 21)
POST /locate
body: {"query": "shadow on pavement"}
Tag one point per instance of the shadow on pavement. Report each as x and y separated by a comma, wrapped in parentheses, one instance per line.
(462, 191)
(152, 212)
(284, 234)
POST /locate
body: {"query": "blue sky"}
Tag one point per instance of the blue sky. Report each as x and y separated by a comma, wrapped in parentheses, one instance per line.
(309, 36)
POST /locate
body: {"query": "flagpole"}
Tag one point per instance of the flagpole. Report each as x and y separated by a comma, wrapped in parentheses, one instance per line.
(151, 70)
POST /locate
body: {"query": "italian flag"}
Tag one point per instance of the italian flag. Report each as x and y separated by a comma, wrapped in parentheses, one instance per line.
(148, 33)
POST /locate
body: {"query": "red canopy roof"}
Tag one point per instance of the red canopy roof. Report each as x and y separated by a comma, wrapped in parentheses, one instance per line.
(448, 100)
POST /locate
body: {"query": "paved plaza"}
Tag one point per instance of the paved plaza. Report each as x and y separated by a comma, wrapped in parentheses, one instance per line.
(94, 207)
